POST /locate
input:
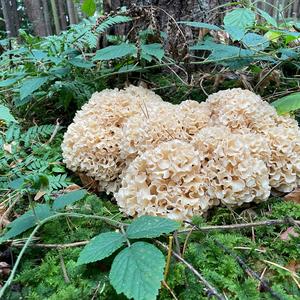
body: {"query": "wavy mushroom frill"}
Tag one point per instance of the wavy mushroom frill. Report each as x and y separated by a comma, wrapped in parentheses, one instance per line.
(241, 110)
(91, 144)
(143, 131)
(164, 181)
(233, 175)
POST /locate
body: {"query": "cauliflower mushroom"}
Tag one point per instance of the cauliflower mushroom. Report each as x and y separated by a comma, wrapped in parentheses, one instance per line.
(91, 143)
(164, 181)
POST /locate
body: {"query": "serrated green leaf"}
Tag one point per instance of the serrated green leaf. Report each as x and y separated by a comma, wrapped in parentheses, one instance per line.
(137, 271)
(116, 51)
(10, 81)
(240, 18)
(267, 17)
(6, 115)
(287, 104)
(236, 33)
(89, 7)
(68, 199)
(152, 50)
(101, 246)
(81, 63)
(200, 25)
(150, 227)
(255, 41)
(28, 220)
(31, 85)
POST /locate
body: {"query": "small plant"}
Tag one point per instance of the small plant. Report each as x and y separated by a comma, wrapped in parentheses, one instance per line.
(137, 270)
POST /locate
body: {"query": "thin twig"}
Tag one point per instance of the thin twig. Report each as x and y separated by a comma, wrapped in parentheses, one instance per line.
(242, 225)
(52, 246)
(168, 257)
(210, 288)
(169, 289)
(63, 267)
(249, 271)
(54, 132)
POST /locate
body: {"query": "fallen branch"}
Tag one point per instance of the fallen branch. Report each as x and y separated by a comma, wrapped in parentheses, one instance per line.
(210, 288)
(243, 225)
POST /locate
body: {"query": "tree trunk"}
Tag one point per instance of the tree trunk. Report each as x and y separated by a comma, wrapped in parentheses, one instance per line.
(71, 12)
(62, 14)
(55, 16)
(191, 10)
(10, 14)
(35, 14)
(47, 17)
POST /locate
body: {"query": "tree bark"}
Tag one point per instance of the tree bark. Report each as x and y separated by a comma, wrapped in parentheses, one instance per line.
(71, 12)
(11, 18)
(180, 10)
(47, 17)
(36, 16)
(62, 15)
(55, 16)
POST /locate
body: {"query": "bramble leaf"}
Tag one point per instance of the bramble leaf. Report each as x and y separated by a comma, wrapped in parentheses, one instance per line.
(67, 199)
(287, 104)
(137, 271)
(6, 115)
(152, 50)
(150, 227)
(31, 85)
(28, 220)
(101, 246)
(241, 18)
(116, 51)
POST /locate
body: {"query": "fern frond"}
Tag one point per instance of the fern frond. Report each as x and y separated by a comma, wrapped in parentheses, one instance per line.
(110, 22)
(36, 132)
(58, 182)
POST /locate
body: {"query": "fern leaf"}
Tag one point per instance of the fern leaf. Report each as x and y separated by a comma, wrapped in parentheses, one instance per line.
(112, 21)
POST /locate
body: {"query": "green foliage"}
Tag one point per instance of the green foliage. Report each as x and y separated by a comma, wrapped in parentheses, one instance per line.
(68, 199)
(240, 17)
(6, 115)
(89, 7)
(30, 219)
(132, 271)
(287, 104)
(150, 227)
(116, 51)
(137, 271)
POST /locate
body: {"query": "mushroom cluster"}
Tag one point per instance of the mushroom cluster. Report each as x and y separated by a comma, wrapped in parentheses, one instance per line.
(180, 160)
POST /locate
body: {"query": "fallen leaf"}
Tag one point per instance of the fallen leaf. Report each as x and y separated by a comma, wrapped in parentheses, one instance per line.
(293, 266)
(3, 219)
(293, 196)
(4, 268)
(7, 148)
(72, 187)
(39, 195)
(285, 236)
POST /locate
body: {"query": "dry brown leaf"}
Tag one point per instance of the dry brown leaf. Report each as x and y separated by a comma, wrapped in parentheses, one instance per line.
(3, 219)
(285, 236)
(39, 195)
(293, 266)
(4, 268)
(8, 148)
(72, 187)
(293, 196)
